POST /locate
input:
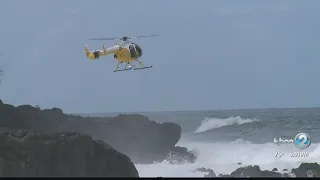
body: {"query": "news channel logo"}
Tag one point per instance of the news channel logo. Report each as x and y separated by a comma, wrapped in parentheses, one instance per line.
(301, 141)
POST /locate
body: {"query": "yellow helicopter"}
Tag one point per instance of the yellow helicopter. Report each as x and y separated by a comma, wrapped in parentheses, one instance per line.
(124, 51)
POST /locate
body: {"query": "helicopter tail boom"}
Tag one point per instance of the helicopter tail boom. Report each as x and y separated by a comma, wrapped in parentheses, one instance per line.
(97, 53)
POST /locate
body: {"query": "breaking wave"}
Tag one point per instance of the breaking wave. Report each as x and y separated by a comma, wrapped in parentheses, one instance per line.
(224, 158)
(214, 123)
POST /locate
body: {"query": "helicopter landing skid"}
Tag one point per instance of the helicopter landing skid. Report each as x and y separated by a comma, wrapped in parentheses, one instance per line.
(143, 68)
(123, 69)
(133, 68)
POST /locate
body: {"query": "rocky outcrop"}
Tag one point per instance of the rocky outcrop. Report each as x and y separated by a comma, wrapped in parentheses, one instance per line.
(253, 171)
(143, 140)
(180, 155)
(210, 172)
(29, 117)
(304, 170)
(307, 170)
(27, 153)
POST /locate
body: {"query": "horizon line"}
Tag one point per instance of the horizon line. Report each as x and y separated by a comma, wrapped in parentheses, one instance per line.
(241, 109)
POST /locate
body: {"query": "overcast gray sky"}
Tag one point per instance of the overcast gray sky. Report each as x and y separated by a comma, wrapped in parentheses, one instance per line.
(214, 54)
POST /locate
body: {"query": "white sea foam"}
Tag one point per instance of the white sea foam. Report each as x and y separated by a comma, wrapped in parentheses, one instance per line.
(224, 158)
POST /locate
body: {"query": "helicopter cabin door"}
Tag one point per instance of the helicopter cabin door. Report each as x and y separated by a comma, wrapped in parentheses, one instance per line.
(133, 51)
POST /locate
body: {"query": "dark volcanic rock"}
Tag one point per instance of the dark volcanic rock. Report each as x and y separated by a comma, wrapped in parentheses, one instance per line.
(25, 153)
(253, 171)
(143, 140)
(28, 117)
(285, 175)
(180, 155)
(307, 170)
(210, 172)
(304, 170)
(274, 169)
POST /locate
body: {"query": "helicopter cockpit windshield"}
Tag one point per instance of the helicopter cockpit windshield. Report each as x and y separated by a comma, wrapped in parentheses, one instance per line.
(139, 50)
(135, 51)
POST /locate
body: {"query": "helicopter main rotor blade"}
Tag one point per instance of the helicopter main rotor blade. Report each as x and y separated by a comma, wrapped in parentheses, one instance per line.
(118, 38)
(152, 35)
(104, 38)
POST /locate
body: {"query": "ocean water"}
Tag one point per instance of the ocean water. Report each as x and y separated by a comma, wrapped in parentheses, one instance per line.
(222, 139)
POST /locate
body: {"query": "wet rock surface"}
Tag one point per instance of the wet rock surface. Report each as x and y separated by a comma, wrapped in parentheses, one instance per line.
(304, 170)
(28, 153)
